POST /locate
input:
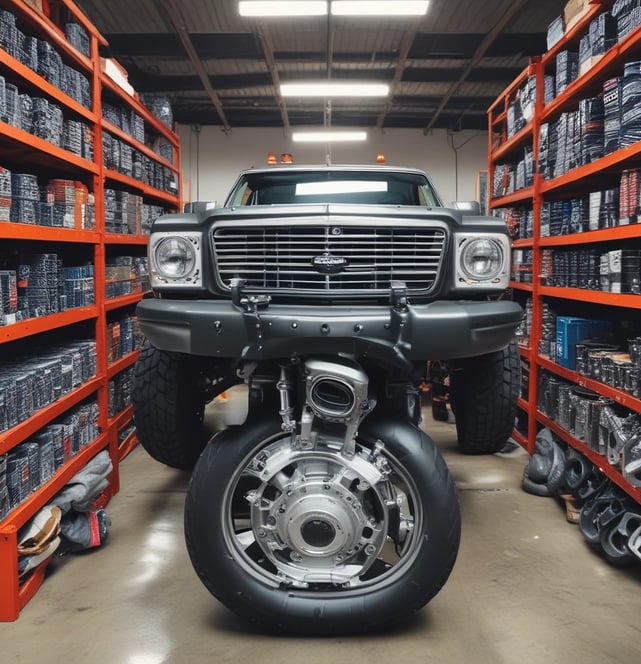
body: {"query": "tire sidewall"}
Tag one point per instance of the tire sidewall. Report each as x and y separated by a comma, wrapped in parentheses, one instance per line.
(305, 611)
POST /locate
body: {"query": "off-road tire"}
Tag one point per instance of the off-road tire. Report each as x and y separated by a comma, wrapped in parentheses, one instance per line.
(169, 403)
(484, 391)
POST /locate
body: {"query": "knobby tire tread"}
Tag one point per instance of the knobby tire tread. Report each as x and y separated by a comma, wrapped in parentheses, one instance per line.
(484, 395)
(168, 407)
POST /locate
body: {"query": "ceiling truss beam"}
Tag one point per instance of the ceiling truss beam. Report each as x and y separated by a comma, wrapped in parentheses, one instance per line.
(173, 11)
(483, 48)
(406, 45)
(268, 50)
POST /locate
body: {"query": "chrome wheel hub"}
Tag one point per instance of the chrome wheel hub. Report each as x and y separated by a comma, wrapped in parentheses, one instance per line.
(317, 516)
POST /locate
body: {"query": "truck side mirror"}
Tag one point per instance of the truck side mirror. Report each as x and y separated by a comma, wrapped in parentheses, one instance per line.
(469, 207)
(197, 207)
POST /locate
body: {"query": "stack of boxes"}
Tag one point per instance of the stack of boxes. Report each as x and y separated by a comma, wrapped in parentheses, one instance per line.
(39, 285)
(123, 337)
(125, 275)
(120, 391)
(60, 203)
(36, 381)
(121, 157)
(42, 57)
(614, 271)
(126, 213)
(35, 461)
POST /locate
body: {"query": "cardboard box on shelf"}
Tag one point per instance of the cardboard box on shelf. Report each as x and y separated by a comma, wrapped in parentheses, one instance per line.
(117, 73)
(586, 65)
(39, 5)
(573, 12)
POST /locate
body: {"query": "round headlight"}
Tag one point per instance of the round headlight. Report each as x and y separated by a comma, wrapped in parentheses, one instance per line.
(482, 259)
(175, 257)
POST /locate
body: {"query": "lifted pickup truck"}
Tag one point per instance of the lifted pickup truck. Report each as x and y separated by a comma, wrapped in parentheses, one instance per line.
(326, 290)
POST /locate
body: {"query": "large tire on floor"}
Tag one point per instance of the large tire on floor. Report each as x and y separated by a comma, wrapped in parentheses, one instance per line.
(169, 400)
(314, 542)
(484, 391)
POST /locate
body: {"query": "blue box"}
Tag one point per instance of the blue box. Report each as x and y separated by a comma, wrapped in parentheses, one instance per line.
(570, 330)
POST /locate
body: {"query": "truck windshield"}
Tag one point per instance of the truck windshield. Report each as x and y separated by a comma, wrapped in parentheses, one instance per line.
(357, 187)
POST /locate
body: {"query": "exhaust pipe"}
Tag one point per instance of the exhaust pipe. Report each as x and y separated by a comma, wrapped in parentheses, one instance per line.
(337, 390)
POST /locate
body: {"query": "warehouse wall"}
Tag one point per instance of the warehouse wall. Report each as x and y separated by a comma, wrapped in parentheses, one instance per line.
(222, 156)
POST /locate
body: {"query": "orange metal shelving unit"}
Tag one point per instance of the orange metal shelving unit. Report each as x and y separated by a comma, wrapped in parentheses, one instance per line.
(30, 153)
(579, 181)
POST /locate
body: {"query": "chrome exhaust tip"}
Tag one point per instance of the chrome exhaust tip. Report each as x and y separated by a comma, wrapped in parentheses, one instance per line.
(336, 391)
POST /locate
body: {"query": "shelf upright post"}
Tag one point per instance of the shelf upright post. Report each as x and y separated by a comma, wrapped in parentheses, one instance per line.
(9, 589)
(537, 203)
(101, 323)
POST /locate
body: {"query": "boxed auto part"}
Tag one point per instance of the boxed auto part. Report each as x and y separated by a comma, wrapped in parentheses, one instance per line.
(603, 209)
(8, 297)
(567, 69)
(591, 124)
(621, 271)
(588, 353)
(630, 131)
(585, 414)
(570, 330)
(612, 114)
(555, 31)
(628, 16)
(573, 11)
(600, 37)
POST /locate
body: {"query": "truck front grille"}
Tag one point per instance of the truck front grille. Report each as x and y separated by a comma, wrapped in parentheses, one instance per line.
(325, 259)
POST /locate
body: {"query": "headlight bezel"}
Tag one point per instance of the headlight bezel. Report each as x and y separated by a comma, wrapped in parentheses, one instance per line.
(465, 277)
(192, 242)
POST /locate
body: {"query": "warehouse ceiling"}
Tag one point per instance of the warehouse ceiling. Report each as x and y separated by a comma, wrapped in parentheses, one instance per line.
(218, 68)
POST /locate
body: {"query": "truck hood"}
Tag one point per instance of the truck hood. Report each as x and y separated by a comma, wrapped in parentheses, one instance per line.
(406, 213)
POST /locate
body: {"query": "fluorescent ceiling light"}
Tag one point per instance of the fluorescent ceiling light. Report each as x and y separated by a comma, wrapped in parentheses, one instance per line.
(334, 89)
(328, 136)
(379, 7)
(283, 8)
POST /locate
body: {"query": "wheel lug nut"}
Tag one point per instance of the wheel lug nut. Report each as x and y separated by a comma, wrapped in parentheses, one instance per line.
(370, 549)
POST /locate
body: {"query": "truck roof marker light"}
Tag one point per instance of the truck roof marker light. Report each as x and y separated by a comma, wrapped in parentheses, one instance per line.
(380, 158)
(286, 158)
(272, 160)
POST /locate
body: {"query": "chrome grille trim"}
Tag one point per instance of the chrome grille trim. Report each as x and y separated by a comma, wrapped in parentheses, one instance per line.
(279, 256)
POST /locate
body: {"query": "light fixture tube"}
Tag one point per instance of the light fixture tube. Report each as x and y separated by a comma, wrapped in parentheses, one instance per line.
(334, 89)
(283, 8)
(379, 7)
(328, 136)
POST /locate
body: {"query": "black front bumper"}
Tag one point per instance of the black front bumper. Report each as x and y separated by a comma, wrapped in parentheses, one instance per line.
(439, 330)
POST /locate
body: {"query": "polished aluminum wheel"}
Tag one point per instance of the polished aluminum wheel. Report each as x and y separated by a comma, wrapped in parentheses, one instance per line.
(316, 518)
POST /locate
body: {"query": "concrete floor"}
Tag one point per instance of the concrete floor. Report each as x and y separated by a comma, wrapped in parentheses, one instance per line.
(526, 589)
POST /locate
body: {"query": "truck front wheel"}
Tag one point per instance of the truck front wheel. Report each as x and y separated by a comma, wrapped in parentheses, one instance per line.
(312, 541)
(484, 391)
(169, 398)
